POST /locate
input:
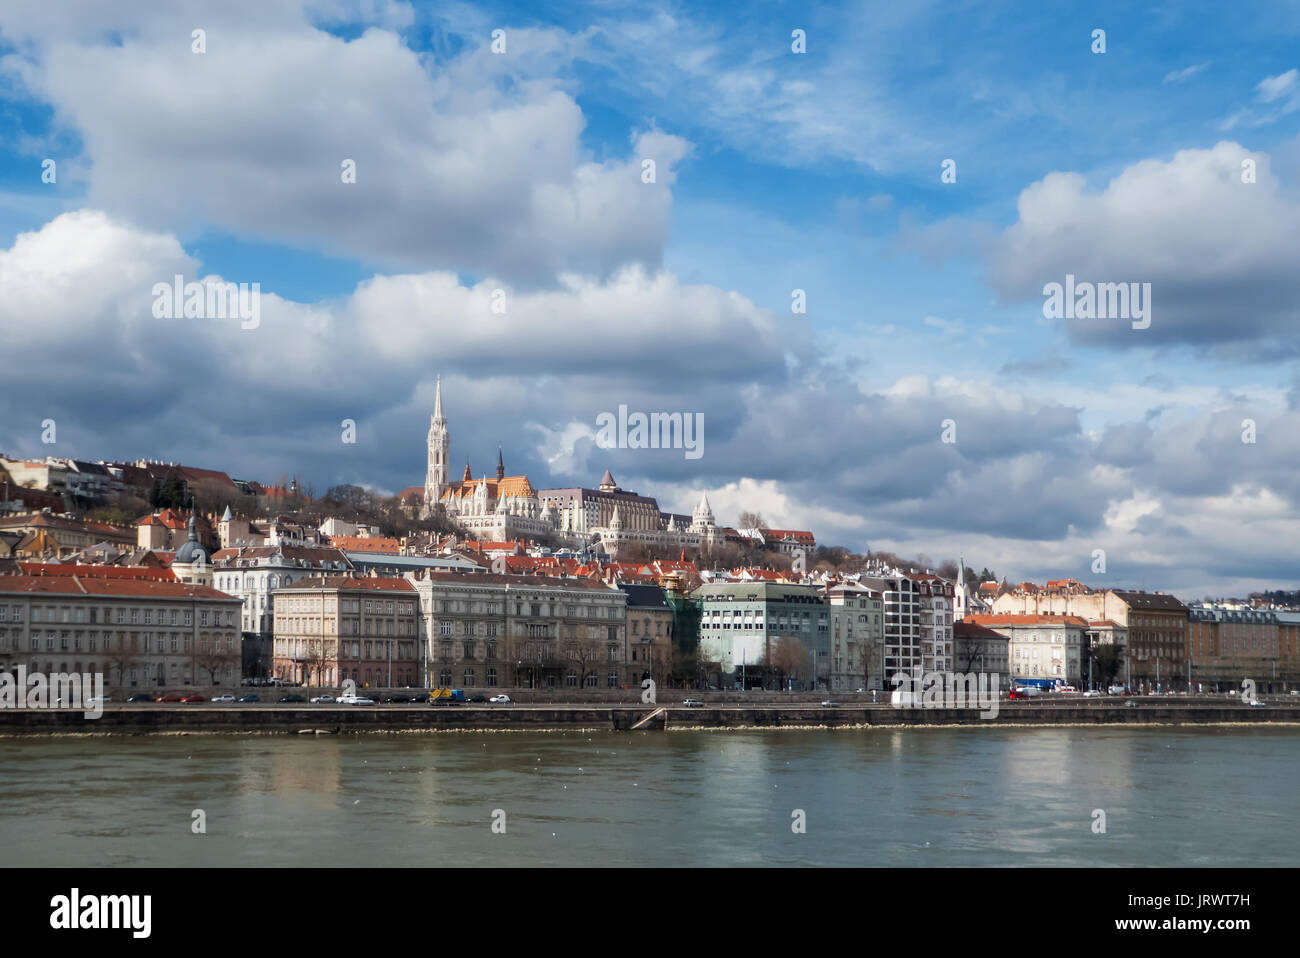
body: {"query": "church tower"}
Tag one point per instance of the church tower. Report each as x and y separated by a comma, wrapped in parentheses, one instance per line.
(437, 478)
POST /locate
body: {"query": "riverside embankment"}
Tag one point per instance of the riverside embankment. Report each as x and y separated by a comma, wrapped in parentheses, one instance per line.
(332, 719)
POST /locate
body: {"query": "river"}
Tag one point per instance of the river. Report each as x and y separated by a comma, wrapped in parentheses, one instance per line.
(1197, 796)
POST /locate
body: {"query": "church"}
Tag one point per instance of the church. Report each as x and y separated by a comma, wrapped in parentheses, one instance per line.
(508, 507)
(497, 509)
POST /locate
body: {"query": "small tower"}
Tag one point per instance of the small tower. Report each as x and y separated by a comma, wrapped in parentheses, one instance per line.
(193, 563)
(501, 465)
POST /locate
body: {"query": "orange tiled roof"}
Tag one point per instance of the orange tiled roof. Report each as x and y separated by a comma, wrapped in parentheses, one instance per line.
(509, 487)
(365, 544)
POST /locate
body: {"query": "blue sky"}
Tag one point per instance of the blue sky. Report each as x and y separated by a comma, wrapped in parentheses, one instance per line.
(777, 171)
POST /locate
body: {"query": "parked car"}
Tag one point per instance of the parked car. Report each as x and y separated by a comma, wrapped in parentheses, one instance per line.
(141, 697)
(478, 699)
(170, 697)
(1092, 694)
(500, 700)
(1117, 690)
(322, 700)
(692, 703)
(828, 704)
(1017, 694)
(1068, 690)
(101, 699)
(355, 700)
(250, 698)
(193, 697)
(1257, 702)
(294, 698)
(223, 698)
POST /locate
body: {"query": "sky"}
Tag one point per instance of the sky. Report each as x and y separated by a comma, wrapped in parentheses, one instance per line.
(916, 174)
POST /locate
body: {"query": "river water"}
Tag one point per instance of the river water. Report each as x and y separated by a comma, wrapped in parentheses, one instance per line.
(920, 796)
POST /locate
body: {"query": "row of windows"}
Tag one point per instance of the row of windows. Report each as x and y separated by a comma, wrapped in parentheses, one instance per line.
(120, 615)
(96, 641)
(349, 626)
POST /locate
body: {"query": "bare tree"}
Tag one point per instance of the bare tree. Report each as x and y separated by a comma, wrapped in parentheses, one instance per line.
(123, 657)
(790, 658)
(584, 652)
(212, 655)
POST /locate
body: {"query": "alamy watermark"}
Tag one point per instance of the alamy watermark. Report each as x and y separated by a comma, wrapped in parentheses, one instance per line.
(1098, 301)
(656, 430)
(74, 691)
(208, 300)
(947, 690)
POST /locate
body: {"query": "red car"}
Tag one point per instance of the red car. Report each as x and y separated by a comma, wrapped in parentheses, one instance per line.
(170, 697)
(1017, 694)
(195, 697)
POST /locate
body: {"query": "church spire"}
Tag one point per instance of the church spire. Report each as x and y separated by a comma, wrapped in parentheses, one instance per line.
(501, 465)
(436, 477)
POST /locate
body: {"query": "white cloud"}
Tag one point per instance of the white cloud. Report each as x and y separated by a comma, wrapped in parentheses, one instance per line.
(472, 163)
(1273, 88)
(1180, 76)
(1215, 249)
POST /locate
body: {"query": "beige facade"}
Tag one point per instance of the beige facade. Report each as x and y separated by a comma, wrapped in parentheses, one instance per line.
(1041, 647)
(1156, 625)
(335, 628)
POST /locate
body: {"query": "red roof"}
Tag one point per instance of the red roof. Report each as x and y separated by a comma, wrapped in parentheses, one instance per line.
(109, 587)
(799, 535)
(97, 571)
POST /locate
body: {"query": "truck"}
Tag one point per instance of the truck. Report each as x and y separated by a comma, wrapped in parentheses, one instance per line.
(446, 697)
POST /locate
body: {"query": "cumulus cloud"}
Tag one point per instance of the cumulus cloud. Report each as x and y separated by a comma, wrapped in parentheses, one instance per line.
(1216, 250)
(472, 162)
(790, 434)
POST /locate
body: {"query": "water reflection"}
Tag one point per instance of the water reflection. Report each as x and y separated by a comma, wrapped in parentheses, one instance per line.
(869, 797)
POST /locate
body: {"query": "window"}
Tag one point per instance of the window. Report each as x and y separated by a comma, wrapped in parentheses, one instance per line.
(491, 677)
(571, 678)
(613, 680)
(469, 677)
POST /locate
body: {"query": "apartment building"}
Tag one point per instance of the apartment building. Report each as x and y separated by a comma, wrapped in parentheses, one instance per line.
(1155, 624)
(253, 574)
(649, 652)
(1228, 643)
(486, 630)
(918, 610)
(742, 626)
(1042, 649)
(857, 638)
(136, 630)
(334, 628)
(977, 648)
